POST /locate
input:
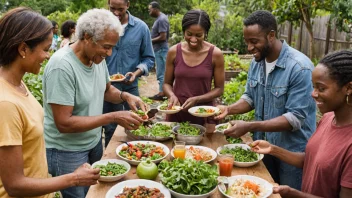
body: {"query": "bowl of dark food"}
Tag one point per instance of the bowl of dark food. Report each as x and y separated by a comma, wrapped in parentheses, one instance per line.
(243, 156)
(138, 188)
(112, 169)
(192, 134)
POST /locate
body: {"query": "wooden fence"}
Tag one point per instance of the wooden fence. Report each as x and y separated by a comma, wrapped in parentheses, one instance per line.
(326, 39)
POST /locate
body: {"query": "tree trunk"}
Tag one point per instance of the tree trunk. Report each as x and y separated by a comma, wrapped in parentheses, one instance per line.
(311, 38)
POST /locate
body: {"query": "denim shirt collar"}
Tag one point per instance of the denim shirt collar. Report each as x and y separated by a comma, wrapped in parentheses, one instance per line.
(131, 20)
(283, 55)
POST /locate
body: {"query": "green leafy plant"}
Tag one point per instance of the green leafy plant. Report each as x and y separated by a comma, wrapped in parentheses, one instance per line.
(232, 93)
(35, 83)
(233, 62)
(189, 177)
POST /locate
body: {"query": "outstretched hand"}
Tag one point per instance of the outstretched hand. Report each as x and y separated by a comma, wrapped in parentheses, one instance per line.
(86, 176)
(261, 147)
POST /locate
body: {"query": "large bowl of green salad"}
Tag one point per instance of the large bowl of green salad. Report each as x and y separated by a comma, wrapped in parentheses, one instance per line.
(188, 178)
(192, 134)
(160, 131)
(243, 156)
(112, 169)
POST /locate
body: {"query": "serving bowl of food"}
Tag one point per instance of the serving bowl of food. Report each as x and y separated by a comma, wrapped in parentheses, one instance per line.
(243, 156)
(199, 153)
(203, 111)
(129, 188)
(160, 131)
(247, 186)
(163, 108)
(112, 169)
(189, 133)
(196, 179)
(137, 151)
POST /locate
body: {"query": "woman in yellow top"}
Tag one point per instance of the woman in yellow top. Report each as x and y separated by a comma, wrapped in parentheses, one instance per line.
(25, 39)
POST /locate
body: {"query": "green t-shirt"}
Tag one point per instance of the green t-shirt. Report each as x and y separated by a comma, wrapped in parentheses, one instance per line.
(68, 82)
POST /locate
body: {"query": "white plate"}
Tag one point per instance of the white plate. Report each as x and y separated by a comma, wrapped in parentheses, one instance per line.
(136, 162)
(118, 80)
(177, 109)
(194, 109)
(241, 164)
(179, 195)
(265, 185)
(112, 178)
(220, 125)
(189, 155)
(118, 188)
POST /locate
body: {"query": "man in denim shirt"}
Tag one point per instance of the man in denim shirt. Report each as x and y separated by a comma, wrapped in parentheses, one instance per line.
(132, 56)
(278, 88)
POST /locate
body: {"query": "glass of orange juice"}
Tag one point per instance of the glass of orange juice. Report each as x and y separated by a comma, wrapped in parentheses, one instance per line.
(180, 149)
(225, 164)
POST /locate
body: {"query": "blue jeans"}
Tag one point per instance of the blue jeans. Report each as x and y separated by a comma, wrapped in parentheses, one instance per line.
(160, 59)
(282, 173)
(64, 162)
(110, 107)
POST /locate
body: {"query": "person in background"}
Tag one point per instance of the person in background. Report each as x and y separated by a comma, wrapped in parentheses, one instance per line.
(132, 56)
(327, 160)
(56, 37)
(75, 84)
(23, 166)
(278, 88)
(191, 67)
(160, 35)
(68, 28)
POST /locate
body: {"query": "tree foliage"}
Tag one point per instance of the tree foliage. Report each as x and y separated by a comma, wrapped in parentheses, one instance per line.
(44, 7)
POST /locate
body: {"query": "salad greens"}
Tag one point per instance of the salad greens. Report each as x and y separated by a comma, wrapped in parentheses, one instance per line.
(57, 195)
(156, 130)
(187, 129)
(141, 131)
(240, 154)
(188, 176)
(147, 100)
(222, 128)
(161, 130)
(111, 169)
(233, 140)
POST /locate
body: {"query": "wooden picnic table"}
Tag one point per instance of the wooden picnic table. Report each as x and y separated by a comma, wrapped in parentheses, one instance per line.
(213, 141)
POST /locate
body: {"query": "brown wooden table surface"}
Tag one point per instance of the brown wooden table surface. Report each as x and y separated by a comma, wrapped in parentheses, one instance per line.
(210, 140)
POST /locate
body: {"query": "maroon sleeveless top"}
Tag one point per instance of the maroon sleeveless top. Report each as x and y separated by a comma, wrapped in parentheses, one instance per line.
(190, 82)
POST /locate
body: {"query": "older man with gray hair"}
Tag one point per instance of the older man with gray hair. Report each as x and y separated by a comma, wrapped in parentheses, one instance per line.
(76, 83)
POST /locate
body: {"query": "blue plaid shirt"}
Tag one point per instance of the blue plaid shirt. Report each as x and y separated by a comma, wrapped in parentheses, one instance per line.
(287, 92)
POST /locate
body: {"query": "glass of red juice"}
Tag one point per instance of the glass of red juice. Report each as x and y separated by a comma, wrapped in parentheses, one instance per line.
(225, 164)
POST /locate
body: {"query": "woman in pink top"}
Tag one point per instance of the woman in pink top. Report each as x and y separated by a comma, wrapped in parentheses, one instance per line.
(191, 67)
(327, 161)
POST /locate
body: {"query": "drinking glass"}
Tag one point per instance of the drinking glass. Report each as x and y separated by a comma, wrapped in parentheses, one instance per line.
(225, 164)
(180, 149)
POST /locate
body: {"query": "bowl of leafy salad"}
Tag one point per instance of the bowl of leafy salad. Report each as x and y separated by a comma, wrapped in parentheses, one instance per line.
(112, 169)
(243, 156)
(137, 151)
(192, 134)
(160, 131)
(189, 178)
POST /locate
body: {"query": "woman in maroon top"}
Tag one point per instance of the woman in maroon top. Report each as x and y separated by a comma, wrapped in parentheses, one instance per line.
(327, 161)
(191, 66)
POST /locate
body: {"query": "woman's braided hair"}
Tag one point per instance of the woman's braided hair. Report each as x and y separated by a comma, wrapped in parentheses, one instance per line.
(339, 65)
